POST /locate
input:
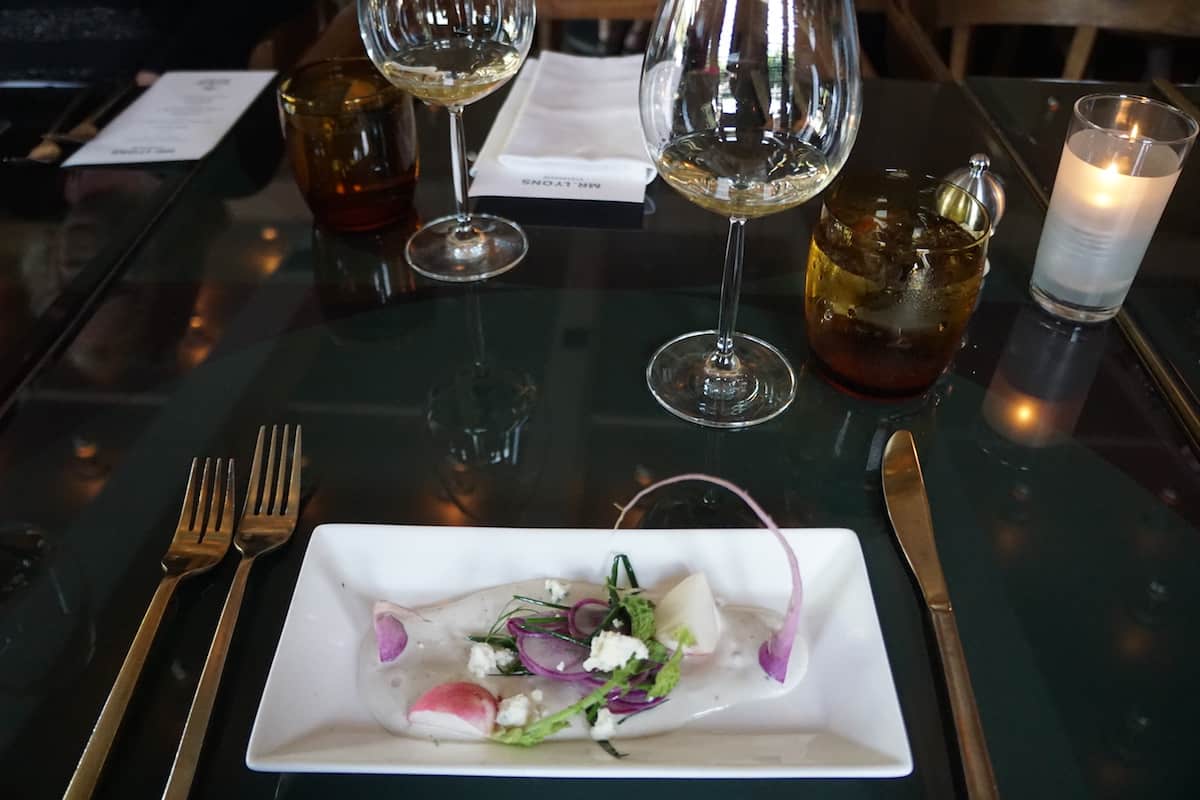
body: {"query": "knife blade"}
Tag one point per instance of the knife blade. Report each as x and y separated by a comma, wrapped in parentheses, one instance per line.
(908, 508)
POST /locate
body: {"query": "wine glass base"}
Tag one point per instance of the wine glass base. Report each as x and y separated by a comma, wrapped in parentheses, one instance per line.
(445, 250)
(682, 380)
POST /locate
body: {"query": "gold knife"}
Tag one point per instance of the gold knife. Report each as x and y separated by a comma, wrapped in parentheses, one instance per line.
(908, 508)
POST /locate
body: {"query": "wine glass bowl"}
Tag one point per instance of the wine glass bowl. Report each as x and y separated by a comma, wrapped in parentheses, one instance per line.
(749, 108)
(453, 53)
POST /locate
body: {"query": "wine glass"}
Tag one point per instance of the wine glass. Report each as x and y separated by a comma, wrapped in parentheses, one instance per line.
(749, 107)
(452, 53)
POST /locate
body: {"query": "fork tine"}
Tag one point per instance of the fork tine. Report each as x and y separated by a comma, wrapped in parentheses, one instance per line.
(281, 480)
(189, 499)
(214, 506)
(269, 482)
(228, 512)
(252, 492)
(197, 525)
(293, 499)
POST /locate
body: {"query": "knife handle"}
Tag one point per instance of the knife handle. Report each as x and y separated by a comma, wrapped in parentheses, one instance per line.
(972, 747)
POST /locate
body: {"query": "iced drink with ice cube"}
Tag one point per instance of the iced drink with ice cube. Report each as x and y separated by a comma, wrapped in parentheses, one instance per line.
(894, 270)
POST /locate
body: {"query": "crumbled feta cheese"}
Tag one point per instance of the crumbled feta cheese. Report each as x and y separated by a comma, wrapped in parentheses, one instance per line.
(513, 711)
(561, 666)
(557, 590)
(611, 650)
(618, 622)
(537, 695)
(482, 661)
(504, 658)
(605, 727)
(486, 660)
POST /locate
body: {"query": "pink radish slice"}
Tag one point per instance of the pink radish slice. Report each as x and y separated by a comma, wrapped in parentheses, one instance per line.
(464, 708)
(390, 635)
(774, 654)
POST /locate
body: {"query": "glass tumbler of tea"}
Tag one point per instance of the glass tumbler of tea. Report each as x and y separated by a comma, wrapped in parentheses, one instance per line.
(352, 143)
(894, 269)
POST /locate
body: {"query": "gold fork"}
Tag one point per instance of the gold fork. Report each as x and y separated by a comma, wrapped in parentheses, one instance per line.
(268, 520)
(201, 539)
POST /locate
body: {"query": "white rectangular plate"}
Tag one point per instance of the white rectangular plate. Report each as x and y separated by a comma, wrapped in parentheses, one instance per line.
(843, 720)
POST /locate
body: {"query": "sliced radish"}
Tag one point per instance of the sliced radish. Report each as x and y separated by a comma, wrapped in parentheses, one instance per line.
(390, 635)
(462, 708)
(689, 605)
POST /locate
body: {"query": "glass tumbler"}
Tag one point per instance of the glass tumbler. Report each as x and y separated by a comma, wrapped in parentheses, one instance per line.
(1119, 164)
(352, 143)
(894, 269)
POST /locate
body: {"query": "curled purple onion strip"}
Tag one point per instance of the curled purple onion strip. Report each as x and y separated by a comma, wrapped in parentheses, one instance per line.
(541, 654)
(585, 616)
(775, 652)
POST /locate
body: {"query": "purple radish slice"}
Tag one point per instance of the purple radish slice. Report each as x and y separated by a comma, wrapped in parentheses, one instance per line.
(390, 634)
(774, 653)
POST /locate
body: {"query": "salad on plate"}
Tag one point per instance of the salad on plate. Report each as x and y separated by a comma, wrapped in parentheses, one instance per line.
(551, 659)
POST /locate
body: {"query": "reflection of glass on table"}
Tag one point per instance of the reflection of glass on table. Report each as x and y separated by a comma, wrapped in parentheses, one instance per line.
(477, 416)
(894, 269)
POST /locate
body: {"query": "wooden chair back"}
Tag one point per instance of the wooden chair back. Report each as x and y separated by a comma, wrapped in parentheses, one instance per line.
(551, 11)
(1169, 17)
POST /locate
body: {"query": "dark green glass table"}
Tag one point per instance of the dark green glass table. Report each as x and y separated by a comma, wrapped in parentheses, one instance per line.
(1066, 500)
(64, 234)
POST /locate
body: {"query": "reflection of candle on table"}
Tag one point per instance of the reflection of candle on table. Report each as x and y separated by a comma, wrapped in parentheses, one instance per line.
(1042, 381)
(1108, 197)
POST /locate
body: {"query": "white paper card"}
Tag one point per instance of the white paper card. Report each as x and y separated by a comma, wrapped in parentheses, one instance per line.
(554, 179)
(180, 118)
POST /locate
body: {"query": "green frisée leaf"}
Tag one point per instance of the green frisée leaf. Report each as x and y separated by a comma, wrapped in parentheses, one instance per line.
(668, 676)
(536, 732)
(641, 616)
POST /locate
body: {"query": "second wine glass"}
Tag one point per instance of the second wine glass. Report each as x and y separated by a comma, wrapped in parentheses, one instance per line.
(749, 107)
(452, 53)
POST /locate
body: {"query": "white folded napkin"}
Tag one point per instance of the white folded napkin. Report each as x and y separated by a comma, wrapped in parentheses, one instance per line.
(580, 117)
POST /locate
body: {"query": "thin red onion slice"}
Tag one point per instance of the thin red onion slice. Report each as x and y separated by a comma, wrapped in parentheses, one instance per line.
(631, 702)
(585, 616)
(390, 635)
(541, 654)
(516, 627)
(774, 654)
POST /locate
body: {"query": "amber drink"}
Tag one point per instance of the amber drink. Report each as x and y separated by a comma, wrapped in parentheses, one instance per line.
(352, 143)
(894, 270)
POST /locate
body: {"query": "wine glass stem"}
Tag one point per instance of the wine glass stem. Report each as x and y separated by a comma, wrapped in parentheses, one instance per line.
(458, 166)
(731, 288)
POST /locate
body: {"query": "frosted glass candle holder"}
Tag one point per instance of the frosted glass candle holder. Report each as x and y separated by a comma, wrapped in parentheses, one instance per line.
(1119, 164)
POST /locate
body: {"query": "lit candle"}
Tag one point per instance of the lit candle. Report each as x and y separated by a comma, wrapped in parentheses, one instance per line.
(1114, 180)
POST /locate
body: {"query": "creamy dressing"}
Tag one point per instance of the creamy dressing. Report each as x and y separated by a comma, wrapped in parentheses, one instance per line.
(438, 651)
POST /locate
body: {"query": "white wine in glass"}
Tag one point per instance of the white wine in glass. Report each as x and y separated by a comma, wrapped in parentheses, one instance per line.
(453, 53)
(749, 108)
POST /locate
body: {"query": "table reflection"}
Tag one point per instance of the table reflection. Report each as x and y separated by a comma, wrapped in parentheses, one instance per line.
(477, 416)
(1041, 383)
(47, 636)
(358, 272)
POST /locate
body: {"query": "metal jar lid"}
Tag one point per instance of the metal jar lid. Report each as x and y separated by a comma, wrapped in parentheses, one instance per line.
(982, 184)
